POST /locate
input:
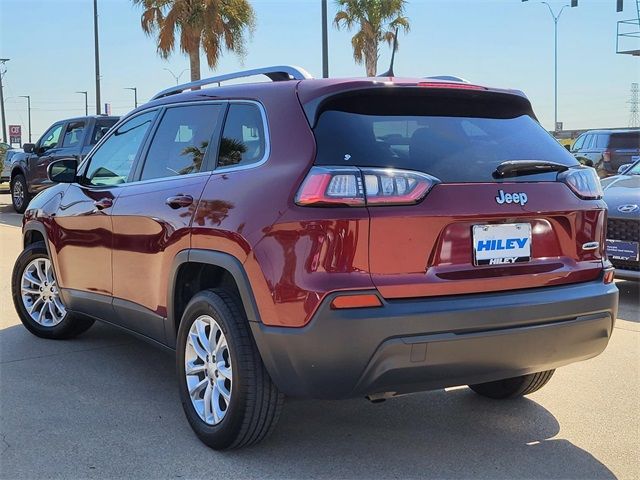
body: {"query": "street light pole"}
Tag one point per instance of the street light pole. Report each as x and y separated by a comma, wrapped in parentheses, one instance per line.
(135, 95)
(3, 70)
(555, 74)
(177, 77)
(28, 97)
(86, 102)
(325, 42)
(97, 54)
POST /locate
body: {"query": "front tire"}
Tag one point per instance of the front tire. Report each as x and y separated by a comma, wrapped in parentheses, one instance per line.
(37, 299)
(513, 387)
(19, 193)
(226, 392)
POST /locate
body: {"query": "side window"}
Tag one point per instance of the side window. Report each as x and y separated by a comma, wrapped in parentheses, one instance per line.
(243, 138)
(578, 144)
(100, 129)
(50, 139)
(602, 141)
(112, 162)
(181, 140)
(73, 135)
(587, 142)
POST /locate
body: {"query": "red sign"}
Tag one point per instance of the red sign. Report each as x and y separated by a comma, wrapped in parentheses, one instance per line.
(15, 134)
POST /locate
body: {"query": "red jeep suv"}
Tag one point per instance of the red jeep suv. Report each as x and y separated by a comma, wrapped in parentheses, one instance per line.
(326, 238)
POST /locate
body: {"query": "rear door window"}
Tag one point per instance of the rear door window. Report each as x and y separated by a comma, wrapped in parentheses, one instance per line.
(454, 141)
(181, 142)
(74, 134)
(100, 129)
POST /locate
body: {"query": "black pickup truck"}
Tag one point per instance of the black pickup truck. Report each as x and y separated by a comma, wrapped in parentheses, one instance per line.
(74, 137)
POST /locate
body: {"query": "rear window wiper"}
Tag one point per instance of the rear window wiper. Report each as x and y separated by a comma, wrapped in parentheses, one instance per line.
(515, 168)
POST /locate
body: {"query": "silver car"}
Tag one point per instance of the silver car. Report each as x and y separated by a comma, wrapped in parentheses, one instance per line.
(5, 176)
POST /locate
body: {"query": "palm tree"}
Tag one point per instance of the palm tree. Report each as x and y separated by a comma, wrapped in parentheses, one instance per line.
(378, 19)
(211, 25)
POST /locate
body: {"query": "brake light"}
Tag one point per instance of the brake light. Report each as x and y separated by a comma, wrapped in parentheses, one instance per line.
(583, 181)
(609, 275)
(455, 86)
(353, 187)
(606, 156)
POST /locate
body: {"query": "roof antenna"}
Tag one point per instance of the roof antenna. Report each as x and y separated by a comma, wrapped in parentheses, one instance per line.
(389, 73)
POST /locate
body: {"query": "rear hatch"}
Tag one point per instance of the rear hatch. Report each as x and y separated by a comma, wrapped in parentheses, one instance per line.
(471, 232)
(624, 147)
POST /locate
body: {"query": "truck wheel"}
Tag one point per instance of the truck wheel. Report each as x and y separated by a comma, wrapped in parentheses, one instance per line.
(513, 387)
(226, 392)
(19, 194)
(37, 299)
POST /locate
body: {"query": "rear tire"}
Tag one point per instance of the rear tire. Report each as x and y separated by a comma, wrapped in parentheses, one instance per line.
(513, 387)
(20, 197)
(54, 322)
(225, 360)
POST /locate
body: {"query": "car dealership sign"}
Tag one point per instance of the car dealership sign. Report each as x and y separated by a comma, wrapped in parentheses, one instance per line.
(15, 134)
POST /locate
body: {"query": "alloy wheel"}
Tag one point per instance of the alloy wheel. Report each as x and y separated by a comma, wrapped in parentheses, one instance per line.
(208, 370)
(40, 294)
(18, 194)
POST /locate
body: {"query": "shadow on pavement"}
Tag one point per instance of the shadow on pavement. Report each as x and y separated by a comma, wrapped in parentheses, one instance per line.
(629, 306)
(8, 216)
(106, 405)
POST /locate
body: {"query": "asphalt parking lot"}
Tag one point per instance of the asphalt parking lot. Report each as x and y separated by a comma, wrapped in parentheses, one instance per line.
(105, 405)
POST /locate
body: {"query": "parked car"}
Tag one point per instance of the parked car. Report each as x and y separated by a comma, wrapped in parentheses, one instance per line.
(7, 158)
(325, 238)
(72, 138)
(607, 150)
(622, 194)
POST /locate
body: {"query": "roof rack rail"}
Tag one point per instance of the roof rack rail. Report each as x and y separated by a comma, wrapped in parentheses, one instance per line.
(276, 74)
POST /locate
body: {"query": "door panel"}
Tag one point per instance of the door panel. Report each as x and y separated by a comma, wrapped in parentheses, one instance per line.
(148, 234)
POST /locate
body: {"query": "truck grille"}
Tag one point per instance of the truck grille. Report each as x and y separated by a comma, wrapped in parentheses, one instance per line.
(628, 230)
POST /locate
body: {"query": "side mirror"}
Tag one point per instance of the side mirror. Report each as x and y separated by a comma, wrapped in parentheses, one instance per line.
(623, 168)
(29, 147)
(63, 171)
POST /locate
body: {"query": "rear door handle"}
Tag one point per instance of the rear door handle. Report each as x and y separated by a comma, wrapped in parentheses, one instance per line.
(179, 201)
(103, 203)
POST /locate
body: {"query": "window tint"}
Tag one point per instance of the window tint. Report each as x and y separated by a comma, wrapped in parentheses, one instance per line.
(112, 162)
(50, 139)
(243, 140)
(453, 148)
(73, 134)
(181, 141)
(100, 129)
(630, 140)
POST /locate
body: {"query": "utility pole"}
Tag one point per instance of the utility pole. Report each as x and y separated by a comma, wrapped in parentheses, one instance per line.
(3, 70)
(86, 102)
(135, 95)
(176, 77)
(325, 41)
(28, 97)
(97, 54)
(555, 66)
(634, 118)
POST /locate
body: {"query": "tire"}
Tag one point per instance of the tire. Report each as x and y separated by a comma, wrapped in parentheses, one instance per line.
(513, 387)
(255, 403)
(20, 197)
(55, 323)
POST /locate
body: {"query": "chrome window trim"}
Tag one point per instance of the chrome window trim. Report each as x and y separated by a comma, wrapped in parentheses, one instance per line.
(216, 170)
(267, 141)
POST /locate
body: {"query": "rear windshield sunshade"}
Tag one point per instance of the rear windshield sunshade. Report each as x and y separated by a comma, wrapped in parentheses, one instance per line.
(453, 137)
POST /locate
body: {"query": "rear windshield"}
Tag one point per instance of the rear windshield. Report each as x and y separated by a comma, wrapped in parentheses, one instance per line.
(455, 140)
(630, 140)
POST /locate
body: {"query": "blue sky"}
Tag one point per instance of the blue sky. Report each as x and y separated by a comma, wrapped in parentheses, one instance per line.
(503, 43)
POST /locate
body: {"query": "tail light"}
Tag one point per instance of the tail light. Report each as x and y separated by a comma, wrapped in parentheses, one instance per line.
(606, 156)
(357, 187)
(583, 181)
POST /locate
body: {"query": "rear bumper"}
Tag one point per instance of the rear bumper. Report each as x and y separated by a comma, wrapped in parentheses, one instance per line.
(413, 345)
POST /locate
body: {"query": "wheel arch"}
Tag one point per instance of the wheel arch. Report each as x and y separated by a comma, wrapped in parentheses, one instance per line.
(226, 265)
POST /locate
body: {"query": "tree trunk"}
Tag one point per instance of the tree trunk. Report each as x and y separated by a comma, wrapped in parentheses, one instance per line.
(194, 63)
(371, 58)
